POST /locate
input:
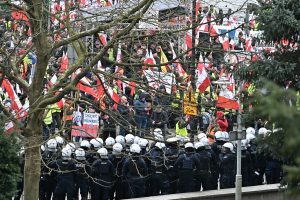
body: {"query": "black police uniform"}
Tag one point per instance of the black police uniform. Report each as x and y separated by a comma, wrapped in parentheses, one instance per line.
(103, 171)
(186, 164)
(66, 170)
(134, 171)
(203, 173)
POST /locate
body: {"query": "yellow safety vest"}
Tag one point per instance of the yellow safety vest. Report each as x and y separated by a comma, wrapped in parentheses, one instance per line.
(182, 132)
(48, 119)
(54, 108)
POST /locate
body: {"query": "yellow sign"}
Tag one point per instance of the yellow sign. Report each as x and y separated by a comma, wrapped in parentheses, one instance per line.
(189, 103)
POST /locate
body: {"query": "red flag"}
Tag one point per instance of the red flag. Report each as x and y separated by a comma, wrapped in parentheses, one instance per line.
(226, 100)
(203, 79)
(64, 63)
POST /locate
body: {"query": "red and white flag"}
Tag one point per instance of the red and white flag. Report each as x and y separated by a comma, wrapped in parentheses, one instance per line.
(85, 86)
(52, 80)
(9, 127)
(64, 65)
(203, 79)
(114, 96)
(149, 60)
(226, 100)
(15, 101)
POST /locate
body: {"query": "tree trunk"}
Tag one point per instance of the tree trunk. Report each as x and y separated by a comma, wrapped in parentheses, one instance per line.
(32, 165)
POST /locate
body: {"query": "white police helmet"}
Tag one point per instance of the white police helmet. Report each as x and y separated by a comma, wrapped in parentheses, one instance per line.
(120, 139)
(135, 148)
(80, 154)
(102, 152)
(66, 153)
(117, 148)
(129, 139)
(109, 142)
(85, 144)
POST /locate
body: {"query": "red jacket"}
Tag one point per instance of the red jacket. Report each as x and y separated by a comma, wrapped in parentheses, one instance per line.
(222, 121)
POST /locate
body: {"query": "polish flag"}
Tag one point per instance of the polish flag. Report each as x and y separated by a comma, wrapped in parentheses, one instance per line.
(149, 60)
(203, 79)
(188, 39)
(16, 103)
(114, 96)
(64, 63)
(61, 102)
(226, 100)
(225, 42)
(132, 86)
(103, 38)
(9, 127)
(85, 86)
(52, 81)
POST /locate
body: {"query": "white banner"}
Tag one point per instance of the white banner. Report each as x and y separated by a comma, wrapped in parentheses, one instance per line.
(90, 118)
(155, 79)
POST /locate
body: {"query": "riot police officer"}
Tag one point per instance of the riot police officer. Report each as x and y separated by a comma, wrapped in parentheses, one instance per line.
(48, 178)
(172, 153)
(186, 164)
(134, 171)
(203, 173)
(66, 169)
(103, 171)
(118, 159)
(82, 174)
(157, 170)
(227, 166)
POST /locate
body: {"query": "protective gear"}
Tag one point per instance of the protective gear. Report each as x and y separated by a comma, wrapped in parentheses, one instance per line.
(43, 148)
(186, 163)
(109, 142)
(65, 176)
(120, 139)
(143, 143)
(263, 131)
(80, 154)
(129, 138)
(159, 137)
(136, 140)
(244, 144)
(219, 136)
(226, 136)
(157, 131)
(59, 140)
(117, 148)
(102, 152)
(85, 144)
(97, 143)
(229, 146)
(172, 140)
(160, 145)
(71, 146)
(135, 148)
(66, 153)
(227, 169)
(205, 142)
(201, 135)
(249, 137)
(52, 145)
(199, 145)
(250, 130)
(189, 145)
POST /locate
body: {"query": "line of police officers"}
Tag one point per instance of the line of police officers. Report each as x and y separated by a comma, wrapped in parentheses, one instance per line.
(129, 167)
